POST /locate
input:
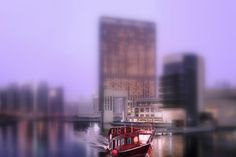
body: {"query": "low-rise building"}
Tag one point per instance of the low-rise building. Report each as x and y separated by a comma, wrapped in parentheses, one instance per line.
(115, 108)
(146, 110)
(221, 103)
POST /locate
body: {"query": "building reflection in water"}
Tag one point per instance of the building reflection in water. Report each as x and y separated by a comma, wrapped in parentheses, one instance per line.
(8, 138)
(26, 141)
(31, 139)
(185, 146)
(59, 139)
(191, 146)
(168, 146)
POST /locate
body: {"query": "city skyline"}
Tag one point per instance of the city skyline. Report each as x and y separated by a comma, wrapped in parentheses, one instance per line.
(58, 43)
(27, 100)
(117, 78)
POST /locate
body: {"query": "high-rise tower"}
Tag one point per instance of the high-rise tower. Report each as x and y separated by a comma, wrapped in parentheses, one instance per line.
(127, 65)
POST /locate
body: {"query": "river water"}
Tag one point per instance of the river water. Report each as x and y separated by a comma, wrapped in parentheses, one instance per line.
(63, 139)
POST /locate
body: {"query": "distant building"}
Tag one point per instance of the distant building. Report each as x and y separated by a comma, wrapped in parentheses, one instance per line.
(3, 100)
(221, 104)
(56, 101)
(26, 98)
(96, 105)
(127, 65)
(12, 98)
(71, 108)
(182, 84)
(174, 116)
(146, 110)
(85, 106)
(42, 98)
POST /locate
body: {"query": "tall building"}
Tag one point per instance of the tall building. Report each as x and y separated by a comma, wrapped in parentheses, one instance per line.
(182, 84)
(127, 65)
(56, 101)
(3, 99)
(42, 98)
(14, 98)
(12, 95)
(26, 98)
(95, 104)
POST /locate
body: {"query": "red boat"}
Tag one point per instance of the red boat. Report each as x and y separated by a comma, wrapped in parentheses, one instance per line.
(129, 141)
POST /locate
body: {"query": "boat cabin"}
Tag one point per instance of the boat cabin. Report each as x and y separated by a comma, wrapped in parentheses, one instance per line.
(127, 138)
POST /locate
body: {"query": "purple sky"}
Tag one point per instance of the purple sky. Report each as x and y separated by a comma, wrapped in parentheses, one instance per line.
(57, 40)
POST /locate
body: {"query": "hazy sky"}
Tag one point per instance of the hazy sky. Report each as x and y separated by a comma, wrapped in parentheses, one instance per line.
(57, 40)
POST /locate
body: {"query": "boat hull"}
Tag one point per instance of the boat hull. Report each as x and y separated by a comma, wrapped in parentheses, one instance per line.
(137, 151)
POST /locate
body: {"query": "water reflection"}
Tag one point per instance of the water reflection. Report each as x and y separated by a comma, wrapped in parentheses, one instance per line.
(7, 138)
(58, 139)
(165, 146)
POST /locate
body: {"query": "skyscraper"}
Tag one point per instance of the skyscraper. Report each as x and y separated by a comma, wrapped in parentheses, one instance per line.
(3, 99)
(182, 84)
(56, 101)
(127, 65)
(12, 98)
(42, 98)
(26, 98)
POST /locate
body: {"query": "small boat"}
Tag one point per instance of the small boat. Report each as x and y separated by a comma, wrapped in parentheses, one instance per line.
(129, 141)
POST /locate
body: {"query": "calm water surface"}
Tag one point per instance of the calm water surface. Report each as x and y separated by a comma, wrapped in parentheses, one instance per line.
(59, 139)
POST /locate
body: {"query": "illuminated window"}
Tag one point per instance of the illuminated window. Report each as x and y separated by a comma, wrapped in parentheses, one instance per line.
(110, 100)
(128, 140)
(122, 141)
(114, 144)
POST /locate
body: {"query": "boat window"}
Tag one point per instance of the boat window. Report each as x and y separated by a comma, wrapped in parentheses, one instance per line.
(122, 130)
(110, 101)
(122, 141)
(110, 144)
(114, 144)
(144, 138)
(128, 140)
